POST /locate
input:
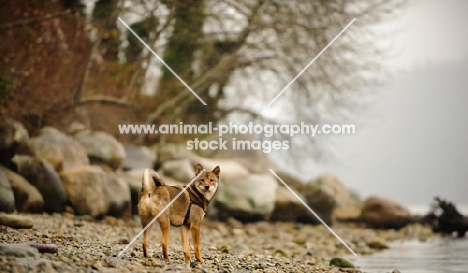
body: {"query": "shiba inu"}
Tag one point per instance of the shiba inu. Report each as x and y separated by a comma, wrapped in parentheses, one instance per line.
(186, 212)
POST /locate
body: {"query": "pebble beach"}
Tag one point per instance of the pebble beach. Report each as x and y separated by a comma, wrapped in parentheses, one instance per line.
(88, 245)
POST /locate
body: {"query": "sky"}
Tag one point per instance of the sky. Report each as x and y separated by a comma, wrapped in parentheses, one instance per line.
(412, 144)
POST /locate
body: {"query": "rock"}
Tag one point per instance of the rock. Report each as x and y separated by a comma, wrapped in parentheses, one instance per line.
(170, 151)
(43, 176)
(282, 252)
(36, 265)
(102, 147)
(250, 198)
(289, 209)
(35, 203)
(324, 195)
(118, 192)
(172, 182)
(13, 137)
(295, 183)
(16, 221)
(86, 188)
(348, 212)
(334, 185)
(138, 157)
(59, 149)
(231, 170)
(134, 180)
(7, 197)
(179, 169)
(239, 249)
(377, 244)
(341, 262)
(351, 209)
(323, 203)
(300, 238)
(379, 212)
(19, 185)
(18, 251)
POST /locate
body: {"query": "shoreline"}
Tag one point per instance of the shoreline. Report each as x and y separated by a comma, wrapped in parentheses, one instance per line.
(86, 244)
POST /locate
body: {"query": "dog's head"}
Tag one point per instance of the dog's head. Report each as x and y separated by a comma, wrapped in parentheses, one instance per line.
(207, 183)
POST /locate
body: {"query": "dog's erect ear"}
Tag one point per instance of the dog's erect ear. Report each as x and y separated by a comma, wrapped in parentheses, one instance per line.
(216, 171)
(198, 168)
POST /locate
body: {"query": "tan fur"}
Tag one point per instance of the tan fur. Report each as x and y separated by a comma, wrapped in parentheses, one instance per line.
(154, 197)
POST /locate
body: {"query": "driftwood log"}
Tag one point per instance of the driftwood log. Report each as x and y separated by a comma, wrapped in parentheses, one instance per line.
(445, 218)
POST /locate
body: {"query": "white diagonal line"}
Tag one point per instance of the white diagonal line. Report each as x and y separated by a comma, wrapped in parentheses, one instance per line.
(159, 214)
(311, 62)
(161, 60)
(320, 219)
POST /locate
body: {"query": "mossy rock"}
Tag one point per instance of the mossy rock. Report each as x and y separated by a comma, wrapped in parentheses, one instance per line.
(341, 262)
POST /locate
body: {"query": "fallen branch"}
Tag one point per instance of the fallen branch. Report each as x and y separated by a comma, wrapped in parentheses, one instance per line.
(449, 221)
(44, 248)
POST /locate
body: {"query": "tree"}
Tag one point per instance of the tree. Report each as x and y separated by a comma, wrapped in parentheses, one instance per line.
(249, 50)
(236, 55)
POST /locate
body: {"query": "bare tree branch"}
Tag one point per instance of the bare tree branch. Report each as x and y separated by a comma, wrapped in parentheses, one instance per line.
(35, 20)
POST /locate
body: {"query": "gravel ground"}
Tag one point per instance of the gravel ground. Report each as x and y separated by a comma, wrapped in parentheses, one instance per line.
(87, 245)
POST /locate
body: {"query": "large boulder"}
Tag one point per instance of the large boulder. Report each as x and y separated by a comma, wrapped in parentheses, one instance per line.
(13, 137)
(59, 149)
(35, 203)
(86, 188)
(179, 169)
(324, 195)
(19, 185)
(323, 203)
(134, 180)
(43, 176)
(294, 182)
(138, 158)
(92, 191)
(118, 192)
(170, 151)
(7, 198)
(379, 212)
(231, 170)
(352, 209)
(289, 209)
(331, 182)
(250, 198)
(102, 147)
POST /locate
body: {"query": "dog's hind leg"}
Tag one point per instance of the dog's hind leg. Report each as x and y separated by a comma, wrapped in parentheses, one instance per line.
(165, 229)
(184, 231)
(146, 253)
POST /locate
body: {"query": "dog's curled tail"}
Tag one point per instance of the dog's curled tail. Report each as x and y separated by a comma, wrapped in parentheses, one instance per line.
(151, 180)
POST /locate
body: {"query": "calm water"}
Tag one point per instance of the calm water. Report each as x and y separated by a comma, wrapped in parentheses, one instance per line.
(448, 255)
(444, 255)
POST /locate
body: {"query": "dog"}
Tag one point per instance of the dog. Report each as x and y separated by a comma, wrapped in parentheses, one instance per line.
(186, 212)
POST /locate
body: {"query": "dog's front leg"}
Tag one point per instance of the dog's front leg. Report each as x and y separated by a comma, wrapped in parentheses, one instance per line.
(165, 228)
(196, 241)
(185, 243)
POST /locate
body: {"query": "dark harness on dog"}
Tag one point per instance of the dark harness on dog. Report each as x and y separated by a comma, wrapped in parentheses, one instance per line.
(197, 199)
